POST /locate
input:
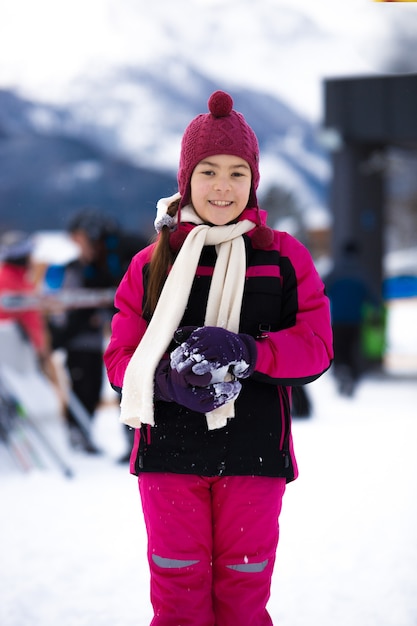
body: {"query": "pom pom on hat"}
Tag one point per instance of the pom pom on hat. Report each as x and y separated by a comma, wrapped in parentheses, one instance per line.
(220, 104)
(221, 131)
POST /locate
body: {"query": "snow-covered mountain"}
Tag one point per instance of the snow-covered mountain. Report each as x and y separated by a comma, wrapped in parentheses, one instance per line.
(125, 77)
(141, 113)
(57, 150)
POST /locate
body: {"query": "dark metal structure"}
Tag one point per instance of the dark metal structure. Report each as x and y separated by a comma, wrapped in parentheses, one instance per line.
(366, 116)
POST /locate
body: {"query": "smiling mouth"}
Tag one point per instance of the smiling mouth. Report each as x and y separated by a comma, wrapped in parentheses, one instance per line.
(220, 203)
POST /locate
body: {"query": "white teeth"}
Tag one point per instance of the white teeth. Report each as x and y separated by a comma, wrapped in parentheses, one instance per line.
(220, 203)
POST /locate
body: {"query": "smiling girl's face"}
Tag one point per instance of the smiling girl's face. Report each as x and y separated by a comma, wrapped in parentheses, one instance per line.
(220, 188)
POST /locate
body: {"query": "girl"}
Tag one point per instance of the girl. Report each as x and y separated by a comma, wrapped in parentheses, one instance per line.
(216, 321)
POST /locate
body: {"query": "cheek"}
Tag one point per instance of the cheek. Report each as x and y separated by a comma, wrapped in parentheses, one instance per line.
(199, 188)
(199, 194)
(248, 187)
(244, 195)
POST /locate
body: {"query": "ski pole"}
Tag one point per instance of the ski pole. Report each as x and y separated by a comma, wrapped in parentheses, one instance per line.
(66, 470)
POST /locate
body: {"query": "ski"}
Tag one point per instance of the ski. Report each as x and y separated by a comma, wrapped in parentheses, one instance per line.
(16, 433)
(50, 449)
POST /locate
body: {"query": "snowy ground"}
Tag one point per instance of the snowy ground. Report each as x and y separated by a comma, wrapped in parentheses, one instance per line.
(73, 551)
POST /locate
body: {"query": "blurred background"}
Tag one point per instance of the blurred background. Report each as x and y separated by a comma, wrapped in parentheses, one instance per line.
(94, 99)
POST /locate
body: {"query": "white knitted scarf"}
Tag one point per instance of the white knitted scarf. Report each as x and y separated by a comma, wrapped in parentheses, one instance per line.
(223, 309)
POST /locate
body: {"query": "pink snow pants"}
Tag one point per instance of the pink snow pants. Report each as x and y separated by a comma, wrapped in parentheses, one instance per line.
(211, 547)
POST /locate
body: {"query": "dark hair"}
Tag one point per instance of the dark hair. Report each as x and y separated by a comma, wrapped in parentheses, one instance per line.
(96, 224)
(162, 258)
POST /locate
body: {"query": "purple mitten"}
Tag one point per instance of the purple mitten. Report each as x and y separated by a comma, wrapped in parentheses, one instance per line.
(190, 371)
(213, 349)
(169, 386)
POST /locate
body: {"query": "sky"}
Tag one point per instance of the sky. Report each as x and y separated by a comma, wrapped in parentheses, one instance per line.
(46, 45)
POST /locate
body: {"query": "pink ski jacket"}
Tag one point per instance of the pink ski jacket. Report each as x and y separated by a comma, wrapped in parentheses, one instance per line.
(285, 309)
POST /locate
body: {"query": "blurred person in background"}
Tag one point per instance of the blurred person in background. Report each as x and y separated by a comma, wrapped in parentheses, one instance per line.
(16, 248)
(349, 291)
(105, 253)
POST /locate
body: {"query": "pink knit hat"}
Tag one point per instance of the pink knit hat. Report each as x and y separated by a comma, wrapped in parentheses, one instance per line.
(222, 131)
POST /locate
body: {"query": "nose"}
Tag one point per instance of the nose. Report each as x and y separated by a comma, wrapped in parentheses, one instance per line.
(221, 183)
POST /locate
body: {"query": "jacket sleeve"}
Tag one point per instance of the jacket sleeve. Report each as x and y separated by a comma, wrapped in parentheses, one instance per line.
(302, 349)
(32, 322)
(128, 325)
